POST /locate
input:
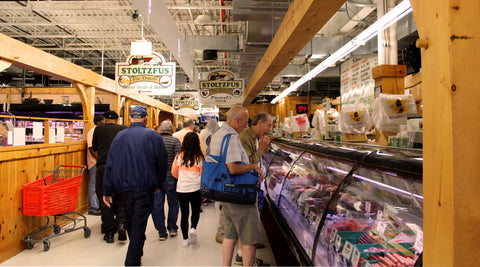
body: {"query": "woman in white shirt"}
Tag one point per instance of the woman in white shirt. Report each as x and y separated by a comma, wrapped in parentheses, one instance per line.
(187, 168)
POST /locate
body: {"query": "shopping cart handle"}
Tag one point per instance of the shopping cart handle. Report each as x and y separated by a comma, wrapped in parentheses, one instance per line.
(75, 166)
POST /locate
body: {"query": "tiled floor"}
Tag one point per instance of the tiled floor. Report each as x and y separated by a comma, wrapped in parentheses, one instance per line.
(73, 249)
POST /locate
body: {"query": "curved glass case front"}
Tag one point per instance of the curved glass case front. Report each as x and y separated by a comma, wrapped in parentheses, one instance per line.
(309, 186)
(376, 216)
(279, 159)
(347, 204)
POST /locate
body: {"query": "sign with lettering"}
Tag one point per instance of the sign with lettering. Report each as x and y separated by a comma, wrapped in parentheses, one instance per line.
(222, 89)
(147, 75)
(357, 84)
(186, 104)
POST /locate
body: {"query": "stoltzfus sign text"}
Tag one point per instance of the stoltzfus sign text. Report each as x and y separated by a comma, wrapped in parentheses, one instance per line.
(186, 104)
(148, 75)
(222, 89)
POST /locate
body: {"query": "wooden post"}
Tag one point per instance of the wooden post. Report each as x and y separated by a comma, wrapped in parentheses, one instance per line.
(87, 97)
(150, 117)
(450, 77)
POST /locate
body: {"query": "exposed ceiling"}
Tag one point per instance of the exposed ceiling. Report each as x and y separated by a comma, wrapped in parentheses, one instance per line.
(98, 34)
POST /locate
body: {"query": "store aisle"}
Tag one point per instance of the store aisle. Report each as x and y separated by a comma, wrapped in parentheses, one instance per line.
(73, 249)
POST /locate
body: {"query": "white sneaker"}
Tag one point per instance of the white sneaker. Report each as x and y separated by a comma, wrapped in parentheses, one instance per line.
(193, 236)
(186, 242)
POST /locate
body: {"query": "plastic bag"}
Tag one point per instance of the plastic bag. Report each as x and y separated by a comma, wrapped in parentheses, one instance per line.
(390, 111)
(354, 119)
(318, 121)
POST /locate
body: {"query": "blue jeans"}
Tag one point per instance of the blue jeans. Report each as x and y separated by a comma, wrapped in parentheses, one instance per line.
(92, 195)
(138, 206)
(158, 215)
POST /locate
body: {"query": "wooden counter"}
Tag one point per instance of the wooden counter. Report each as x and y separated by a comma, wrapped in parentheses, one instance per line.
(24, 164)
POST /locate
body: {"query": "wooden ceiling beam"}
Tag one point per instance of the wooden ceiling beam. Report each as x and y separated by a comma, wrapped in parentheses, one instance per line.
(302, 21)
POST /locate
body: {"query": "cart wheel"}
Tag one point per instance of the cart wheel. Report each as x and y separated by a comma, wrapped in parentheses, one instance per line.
(30, 244)
(46, 245)
(86, 232)
(56, 229)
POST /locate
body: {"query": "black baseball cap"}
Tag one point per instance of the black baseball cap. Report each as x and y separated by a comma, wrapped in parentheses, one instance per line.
(111, 115)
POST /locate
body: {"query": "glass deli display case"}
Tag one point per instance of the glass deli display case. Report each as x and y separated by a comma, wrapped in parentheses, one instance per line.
(347, 204)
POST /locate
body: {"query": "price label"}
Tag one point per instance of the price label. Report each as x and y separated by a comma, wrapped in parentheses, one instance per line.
(312, 217)
(381, 226)
(355, 257)
(305, 210)
(368, 207)
(333, 234)
(367, 264)
(338, 241)
(379, 215)
(317, 221)
(347, 250)
(418, 245)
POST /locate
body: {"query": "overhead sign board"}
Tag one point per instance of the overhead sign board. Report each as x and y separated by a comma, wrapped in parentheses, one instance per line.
(222, 89)
(186, 104)
(147, 75)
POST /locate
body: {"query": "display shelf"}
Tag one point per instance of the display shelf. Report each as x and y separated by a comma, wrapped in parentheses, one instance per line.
(346, 204)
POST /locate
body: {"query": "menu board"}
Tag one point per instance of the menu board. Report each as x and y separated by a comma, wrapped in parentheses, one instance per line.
(357, 84)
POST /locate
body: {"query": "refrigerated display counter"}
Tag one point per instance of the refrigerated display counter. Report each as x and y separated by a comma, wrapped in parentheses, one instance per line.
(344, 204)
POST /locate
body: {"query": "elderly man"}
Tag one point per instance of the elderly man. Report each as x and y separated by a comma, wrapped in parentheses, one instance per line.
(241, 221)
(169, 188)
(136, 168)
(188, 126)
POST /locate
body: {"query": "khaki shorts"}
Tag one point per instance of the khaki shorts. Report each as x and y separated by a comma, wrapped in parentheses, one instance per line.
(242, 222)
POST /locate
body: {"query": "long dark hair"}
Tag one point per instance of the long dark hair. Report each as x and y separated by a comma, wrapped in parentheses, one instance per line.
(192, 153)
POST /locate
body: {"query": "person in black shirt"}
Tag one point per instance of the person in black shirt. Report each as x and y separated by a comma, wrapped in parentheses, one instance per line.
(113, 218)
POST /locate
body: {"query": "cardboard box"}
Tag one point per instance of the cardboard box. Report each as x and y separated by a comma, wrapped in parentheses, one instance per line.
(416, 91)
(389, 71)
(354, 137)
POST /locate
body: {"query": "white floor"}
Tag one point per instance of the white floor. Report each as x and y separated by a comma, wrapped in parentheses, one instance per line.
(73, 249)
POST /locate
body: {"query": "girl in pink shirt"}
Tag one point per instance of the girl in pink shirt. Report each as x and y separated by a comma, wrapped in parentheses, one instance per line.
(187, 168)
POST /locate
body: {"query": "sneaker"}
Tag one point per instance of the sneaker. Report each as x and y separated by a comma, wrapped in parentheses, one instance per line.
(122, 233)
(193, 236)
(95, 212)
(238, 260)
(259, 262)
(186, 242)
(173, 234)
(163, 237)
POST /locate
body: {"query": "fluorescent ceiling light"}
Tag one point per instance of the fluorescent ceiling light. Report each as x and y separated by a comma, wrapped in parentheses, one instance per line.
(398, 12)
(318, 56)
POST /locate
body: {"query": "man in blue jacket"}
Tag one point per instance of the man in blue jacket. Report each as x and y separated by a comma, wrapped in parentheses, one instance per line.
(136, 168)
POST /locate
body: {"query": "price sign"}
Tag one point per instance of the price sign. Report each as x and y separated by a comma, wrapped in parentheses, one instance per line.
(379, 215)
(418, 245)
(355, 257)
(333, 234)
(317, 221)
(381, 226)
(368, 207)
(347, 250)
(338, 241)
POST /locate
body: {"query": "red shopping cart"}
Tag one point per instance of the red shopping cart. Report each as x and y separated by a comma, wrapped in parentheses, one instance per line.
(55, 195)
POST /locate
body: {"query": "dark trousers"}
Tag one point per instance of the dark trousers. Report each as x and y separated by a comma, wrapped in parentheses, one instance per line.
(186, 200)
(113, 216)
(138, 206)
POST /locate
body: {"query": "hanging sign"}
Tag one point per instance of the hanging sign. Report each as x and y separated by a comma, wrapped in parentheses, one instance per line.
(186, 104)
(146, 75)
(222, 89)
